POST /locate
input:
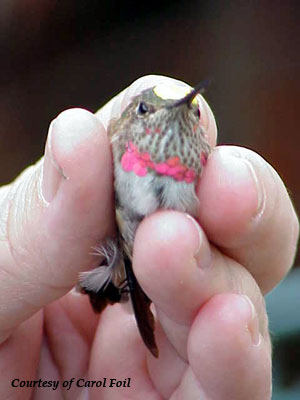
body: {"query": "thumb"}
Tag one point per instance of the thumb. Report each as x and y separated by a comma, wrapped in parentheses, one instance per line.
(52, 215)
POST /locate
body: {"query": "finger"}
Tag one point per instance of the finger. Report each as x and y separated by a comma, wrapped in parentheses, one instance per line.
(122, 356)
(19, 358)
(70, 323)
(246, 211)
(116, 106)
(225, 354)
(226, 362)
(52, 215)
(179, 271)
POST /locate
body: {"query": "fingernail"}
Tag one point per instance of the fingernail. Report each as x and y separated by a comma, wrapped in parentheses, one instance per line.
(260, 191)
(253, 324)
(261, 194)
(52, 172)
(203, 254)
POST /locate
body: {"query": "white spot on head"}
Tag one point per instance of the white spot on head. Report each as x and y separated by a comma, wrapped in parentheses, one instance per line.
(169, 91)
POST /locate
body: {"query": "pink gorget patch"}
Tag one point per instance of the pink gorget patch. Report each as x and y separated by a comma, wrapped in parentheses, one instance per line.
(133, 160)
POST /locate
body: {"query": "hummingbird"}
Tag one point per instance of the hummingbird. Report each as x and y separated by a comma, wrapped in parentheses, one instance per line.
(159, 151)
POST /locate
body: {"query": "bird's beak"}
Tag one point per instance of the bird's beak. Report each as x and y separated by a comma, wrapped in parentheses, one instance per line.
(188, 99)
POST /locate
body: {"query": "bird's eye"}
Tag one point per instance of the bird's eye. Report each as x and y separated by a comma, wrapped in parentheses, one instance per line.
(198, 114)
(142, 108)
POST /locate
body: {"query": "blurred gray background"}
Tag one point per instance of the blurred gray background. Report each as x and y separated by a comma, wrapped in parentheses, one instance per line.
(60, 54)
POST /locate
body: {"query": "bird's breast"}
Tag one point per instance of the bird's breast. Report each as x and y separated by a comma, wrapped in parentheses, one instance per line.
(142, 195)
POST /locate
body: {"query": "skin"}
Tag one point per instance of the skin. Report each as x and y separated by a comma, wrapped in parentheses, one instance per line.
(207, 278)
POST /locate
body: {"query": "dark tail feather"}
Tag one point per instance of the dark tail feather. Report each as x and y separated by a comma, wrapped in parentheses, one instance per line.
(141, 307)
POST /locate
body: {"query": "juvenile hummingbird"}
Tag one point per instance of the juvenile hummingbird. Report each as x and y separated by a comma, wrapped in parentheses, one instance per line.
(159, 150)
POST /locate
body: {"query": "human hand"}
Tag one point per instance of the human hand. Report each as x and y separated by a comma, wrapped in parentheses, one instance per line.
(213, 341)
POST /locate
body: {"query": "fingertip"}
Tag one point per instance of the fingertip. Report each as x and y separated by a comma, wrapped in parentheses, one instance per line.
(222, 343)
(230, 314)
(162, 240)
(228, 195)
(169, 253)
(245, 210)
(78, 167)
(76, 139)
(76, 143)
